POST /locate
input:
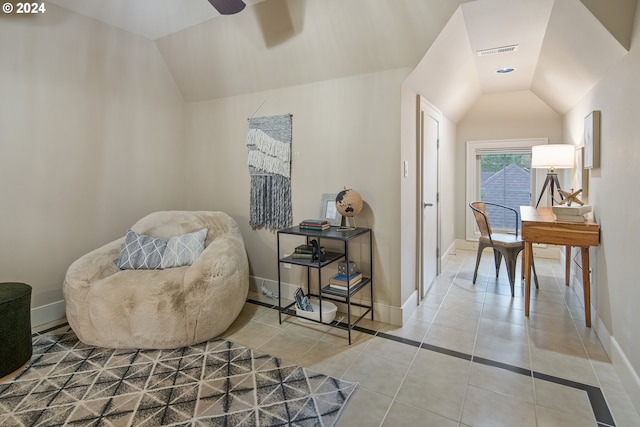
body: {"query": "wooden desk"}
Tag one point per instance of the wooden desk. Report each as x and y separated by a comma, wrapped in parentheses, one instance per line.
(539, 225)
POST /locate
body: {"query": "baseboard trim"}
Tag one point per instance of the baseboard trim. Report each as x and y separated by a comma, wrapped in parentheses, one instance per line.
(407, 308)
(626, 372)
(628, 376)
(451, 250)
(47, 313)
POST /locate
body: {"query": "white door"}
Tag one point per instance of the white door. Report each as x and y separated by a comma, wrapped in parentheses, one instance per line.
(430, 130)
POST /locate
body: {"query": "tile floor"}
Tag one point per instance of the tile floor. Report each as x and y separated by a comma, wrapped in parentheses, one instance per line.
(467, 357)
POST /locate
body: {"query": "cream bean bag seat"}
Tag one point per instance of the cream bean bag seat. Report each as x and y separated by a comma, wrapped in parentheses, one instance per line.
(164, 307)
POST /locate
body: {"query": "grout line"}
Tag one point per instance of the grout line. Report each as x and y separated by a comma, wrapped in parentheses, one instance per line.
(528, 330)
(597, 400)
(598, 403)
(416, 344)
(475, 341)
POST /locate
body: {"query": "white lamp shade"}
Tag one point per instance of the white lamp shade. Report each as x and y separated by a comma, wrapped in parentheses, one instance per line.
(552, 156)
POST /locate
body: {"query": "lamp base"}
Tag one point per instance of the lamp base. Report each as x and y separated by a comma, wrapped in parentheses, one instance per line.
(551, 181)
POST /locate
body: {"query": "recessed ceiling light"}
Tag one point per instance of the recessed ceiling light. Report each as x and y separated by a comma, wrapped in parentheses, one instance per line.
(505, 70)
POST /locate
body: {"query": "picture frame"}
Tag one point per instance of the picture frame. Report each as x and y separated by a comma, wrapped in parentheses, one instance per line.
(328, 209)
(592, 140)
(580, 179)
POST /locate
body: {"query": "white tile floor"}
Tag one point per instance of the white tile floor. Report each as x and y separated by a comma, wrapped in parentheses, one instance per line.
(467, 357)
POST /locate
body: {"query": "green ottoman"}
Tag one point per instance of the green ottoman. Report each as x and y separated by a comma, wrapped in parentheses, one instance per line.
(15, 327)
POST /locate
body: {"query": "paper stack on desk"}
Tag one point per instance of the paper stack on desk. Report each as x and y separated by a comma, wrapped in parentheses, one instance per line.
(571, 213)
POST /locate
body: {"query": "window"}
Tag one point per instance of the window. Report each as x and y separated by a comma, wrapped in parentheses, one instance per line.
(505, 179)
(499, 172)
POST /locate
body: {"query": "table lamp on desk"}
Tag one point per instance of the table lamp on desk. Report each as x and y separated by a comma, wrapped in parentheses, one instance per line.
(552, 157)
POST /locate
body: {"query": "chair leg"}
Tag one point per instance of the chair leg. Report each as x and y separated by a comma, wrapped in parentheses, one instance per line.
(510, 258)
(478, 256)
(497, 255)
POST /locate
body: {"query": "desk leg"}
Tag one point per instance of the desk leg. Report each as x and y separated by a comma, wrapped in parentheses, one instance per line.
(528, 254)
(586, 283)
(567, 267)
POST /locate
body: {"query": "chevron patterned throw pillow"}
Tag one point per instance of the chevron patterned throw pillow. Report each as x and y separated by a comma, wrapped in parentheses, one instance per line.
(184, 249)
(141, 252)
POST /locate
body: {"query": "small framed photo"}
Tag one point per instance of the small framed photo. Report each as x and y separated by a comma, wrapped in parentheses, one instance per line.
(328, 209)
(592, 140)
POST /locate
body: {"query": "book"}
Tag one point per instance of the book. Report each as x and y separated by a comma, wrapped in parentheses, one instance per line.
(302, 301)
(573, 210)
(304, 249)
(315, 228)
(305, 252)
(340, 279)
(570, 218)
(314, 222)
(344, 287)
(297, 255)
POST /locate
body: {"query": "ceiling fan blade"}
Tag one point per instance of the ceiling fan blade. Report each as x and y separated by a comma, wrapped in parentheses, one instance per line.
(228, 7)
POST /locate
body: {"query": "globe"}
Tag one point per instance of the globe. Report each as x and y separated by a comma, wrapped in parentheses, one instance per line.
(349, 202)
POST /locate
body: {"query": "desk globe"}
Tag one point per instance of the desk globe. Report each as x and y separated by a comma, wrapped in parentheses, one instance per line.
(349, 204)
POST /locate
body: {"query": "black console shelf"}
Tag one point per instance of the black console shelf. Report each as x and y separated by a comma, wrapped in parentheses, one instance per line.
(325, 290)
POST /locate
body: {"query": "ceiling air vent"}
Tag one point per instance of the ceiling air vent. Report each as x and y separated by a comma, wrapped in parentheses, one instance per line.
(498, 50)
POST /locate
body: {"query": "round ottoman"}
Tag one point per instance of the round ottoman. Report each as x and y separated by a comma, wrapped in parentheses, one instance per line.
(15, 327)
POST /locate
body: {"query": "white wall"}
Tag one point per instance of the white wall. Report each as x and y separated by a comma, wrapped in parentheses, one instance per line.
(91, 139)
(108, 146)
(448, 176)
(346, 133)
(409, 239)
(613, 192)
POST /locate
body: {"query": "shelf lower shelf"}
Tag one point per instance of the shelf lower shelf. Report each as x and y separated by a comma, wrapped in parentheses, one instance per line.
(329, 257)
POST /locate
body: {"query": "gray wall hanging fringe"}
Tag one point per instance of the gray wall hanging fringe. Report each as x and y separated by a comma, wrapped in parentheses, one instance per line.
(269, 160)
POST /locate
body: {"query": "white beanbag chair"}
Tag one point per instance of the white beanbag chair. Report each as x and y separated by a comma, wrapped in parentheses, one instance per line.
(160, 307)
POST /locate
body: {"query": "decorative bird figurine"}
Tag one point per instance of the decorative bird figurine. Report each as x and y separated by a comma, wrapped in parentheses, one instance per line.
(571, 197)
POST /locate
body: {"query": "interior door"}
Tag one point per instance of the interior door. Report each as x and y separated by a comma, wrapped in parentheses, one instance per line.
(430, 131)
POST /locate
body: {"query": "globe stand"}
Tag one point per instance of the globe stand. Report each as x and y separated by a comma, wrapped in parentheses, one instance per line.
(344, 226)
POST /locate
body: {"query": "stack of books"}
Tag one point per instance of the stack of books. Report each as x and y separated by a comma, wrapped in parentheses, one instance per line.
(315, 224)
(571, 213)
(304, 252)
(340, 281)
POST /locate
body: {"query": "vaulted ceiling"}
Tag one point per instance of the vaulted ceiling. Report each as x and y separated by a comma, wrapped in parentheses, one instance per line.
(564, 46)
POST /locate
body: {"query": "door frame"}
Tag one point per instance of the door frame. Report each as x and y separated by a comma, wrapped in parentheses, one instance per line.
(423, 108)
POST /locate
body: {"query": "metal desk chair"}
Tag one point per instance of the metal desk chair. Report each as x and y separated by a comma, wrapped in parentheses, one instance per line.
(507, 245)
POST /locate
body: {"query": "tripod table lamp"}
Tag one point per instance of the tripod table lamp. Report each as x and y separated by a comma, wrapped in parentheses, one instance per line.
(552, 157)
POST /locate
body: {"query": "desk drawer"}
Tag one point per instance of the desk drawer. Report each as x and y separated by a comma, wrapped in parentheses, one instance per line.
(560, 233)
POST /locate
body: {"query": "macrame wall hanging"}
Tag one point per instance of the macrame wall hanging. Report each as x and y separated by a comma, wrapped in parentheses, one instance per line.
(269, 144)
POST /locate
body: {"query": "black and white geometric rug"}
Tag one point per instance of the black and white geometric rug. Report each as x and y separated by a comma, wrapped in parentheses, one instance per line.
(216, 383)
